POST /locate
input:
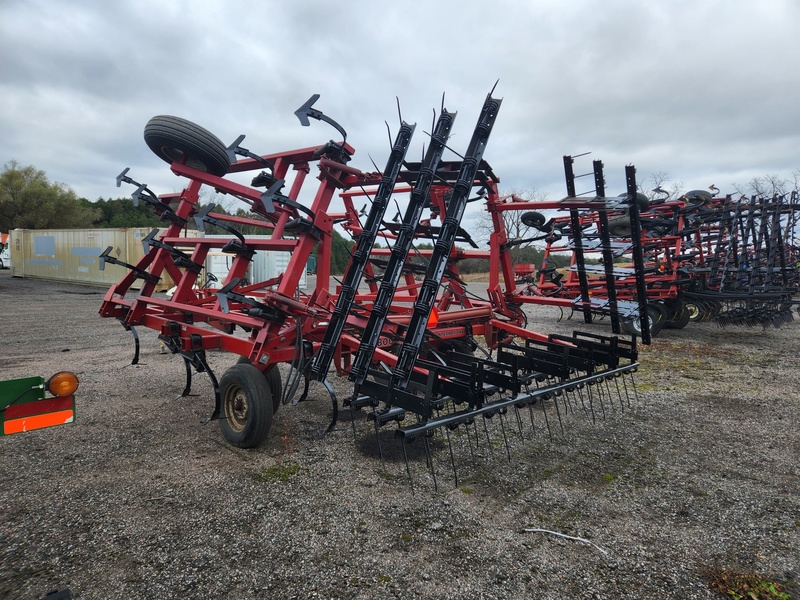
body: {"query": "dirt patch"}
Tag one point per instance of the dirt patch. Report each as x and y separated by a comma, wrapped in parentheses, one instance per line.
(693, 472)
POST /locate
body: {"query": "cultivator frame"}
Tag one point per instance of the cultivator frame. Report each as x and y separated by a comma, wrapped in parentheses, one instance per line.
(733, 261)
(407, 346)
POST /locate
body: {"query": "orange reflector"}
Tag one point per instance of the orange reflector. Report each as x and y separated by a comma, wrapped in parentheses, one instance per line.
(63, 384)
(433, 318)
(38, 421)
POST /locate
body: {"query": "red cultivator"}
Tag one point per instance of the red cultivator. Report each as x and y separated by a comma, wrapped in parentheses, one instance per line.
(733, 261)
(407, 346)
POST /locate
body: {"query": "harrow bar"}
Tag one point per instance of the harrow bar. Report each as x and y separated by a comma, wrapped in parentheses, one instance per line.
(559, 364)
(466, 417)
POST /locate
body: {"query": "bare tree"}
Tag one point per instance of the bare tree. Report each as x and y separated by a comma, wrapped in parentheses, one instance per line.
(515, 228)
(658, 184)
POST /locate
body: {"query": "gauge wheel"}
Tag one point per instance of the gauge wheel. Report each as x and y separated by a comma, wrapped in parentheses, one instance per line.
(247, 406)
(274, 381)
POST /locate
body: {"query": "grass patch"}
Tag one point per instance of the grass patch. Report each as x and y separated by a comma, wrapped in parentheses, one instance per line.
(277, 473)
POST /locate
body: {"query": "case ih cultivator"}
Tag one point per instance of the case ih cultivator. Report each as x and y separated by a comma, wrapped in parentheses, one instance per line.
(733, 261)
(404, 335)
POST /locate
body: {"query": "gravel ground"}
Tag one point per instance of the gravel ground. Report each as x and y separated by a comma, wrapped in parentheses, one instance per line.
(140, 499)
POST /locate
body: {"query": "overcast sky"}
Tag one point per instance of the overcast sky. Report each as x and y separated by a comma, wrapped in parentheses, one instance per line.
(706, 91)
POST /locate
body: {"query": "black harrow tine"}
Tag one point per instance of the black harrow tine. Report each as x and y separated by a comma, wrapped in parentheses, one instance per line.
(558, 412)
(503, 429)
(408, 467)
(488, 439)
(519, 425)
(430, 463)
(619, 394)
(452, 459)
(599, 389)
(591, 403)
(378, 441)
(635, 391)
(469, 441)
(533, 423)
(546, 420)
(625, 386)
(608, 391)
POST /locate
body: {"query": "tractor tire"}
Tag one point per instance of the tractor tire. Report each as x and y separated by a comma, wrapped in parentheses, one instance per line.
(274, 381)
(173, 139)
(247, 406)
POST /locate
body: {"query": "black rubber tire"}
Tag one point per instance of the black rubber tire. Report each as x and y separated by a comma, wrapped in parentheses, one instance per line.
(698, 197)
(533, 219)
(620, 226)
(694, 309)
(642, 200)
(246, 406)
(173, 139)
(274, 381)
(656, 317)
(679, 316)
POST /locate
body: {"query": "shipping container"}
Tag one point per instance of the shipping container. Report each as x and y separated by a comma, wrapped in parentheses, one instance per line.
(73, 255)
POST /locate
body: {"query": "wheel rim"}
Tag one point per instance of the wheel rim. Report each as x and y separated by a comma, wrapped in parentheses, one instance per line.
(693, 310)
(237, 407)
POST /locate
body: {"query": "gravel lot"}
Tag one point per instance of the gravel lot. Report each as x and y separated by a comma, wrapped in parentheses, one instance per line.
(140, 499)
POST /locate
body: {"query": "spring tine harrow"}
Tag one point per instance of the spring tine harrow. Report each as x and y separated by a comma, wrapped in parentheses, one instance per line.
(438, 261)
(366, 240)
(402, 246)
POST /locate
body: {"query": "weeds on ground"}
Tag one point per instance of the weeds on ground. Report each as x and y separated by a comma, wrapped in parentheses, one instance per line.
(745, 586)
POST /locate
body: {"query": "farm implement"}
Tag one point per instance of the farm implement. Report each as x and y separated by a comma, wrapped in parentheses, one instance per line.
(401, 326)
(731, 260)
(31, 403)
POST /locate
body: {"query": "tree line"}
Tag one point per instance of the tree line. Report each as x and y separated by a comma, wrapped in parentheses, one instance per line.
(28, 200)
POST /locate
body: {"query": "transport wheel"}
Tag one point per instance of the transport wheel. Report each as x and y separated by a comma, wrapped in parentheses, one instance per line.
(274, 381)
(246, 406)
(654, 314)
(679, 315)
(620, 226)
(533, 219)
(173, 139)
(697, 198)
(694, 310)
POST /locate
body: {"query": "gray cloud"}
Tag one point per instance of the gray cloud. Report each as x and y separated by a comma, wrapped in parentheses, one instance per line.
(702, 90)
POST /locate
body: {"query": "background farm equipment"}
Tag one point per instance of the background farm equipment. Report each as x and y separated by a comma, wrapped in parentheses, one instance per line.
(408, 346)
(733, 261)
